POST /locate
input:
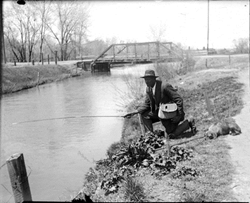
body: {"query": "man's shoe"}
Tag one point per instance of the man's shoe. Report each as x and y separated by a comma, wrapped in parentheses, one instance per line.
(192, 126)
(171, 136)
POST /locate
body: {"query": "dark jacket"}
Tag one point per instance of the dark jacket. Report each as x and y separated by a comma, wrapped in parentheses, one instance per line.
(164, 93)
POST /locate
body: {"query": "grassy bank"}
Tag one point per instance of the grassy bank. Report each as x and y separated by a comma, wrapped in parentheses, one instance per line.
(199, 170)
(23, 77)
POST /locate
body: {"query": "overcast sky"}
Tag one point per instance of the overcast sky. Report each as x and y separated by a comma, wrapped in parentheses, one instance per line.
(183, 21)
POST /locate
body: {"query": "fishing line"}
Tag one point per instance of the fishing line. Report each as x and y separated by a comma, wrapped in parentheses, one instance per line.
(69, 117)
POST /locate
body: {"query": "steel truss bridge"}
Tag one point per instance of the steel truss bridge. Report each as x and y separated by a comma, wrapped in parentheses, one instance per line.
(144, 52)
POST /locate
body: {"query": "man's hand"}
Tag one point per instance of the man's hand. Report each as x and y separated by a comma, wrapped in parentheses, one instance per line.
(149, 91)
(129, 115)
(150, 114)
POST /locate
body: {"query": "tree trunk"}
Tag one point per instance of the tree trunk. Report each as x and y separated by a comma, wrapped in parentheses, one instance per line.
(40, 50)
(15, 54)
(61, 52)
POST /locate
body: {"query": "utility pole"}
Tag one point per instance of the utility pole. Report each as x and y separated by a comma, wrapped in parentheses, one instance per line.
(208, 27)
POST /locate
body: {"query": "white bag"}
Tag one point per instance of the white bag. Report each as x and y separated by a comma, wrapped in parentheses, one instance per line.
(167, 111)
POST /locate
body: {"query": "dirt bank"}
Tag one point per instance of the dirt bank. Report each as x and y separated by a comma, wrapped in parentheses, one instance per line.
(240, 150)
(16, 78)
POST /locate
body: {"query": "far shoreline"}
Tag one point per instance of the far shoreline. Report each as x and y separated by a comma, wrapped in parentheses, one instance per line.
(18, 78)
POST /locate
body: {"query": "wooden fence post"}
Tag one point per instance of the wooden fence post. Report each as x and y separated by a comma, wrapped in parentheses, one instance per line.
(56, 57)
(229, 58)
(38, 78)
(33, 62)
(48, 58)
(18, 178)
(135, 53)
(14, 62)
(42, 58)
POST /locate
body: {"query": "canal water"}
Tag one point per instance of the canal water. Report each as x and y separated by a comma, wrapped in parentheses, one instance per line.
(59, 152)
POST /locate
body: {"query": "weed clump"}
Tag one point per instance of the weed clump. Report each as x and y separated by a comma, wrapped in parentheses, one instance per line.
(134, 190)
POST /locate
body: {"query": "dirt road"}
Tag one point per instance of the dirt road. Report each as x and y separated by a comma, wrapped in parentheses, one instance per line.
(240, 145)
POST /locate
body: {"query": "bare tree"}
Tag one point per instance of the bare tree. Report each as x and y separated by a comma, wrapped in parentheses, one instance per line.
(43, 17)
(110, 41)
(21, 31)
(81, 33)
(27, 28)
(96, 47)
(157, 32)
(241, 45)
(15, 31)
(31, 30)
(71, 20)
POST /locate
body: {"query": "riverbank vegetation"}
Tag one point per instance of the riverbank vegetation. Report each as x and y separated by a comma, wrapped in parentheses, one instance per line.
(198, 169)
(23, 77)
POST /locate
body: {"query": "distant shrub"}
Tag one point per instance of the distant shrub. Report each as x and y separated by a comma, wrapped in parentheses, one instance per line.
(168, 70)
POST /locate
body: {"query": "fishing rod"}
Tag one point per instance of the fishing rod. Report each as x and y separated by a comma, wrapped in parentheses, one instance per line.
(68, 117)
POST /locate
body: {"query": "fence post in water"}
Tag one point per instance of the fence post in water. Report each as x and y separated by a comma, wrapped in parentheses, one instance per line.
(48, 58)
(33, 62)
(56, 57)
(14, 62)
(18, 178)
(229, 58)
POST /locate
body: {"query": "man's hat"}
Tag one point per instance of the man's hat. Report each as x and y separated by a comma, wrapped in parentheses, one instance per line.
(149, 73)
